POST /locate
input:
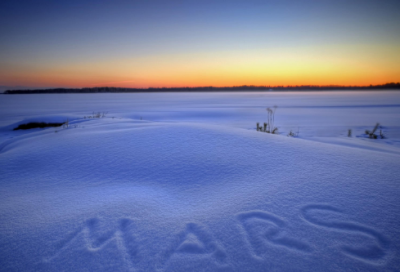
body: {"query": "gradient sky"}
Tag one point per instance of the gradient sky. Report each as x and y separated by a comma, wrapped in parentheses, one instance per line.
(78, 43)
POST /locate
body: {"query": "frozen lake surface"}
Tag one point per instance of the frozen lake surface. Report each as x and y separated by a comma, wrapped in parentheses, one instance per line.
(184, 182)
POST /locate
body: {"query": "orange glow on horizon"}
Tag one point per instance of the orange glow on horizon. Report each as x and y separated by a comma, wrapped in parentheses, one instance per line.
(339, 65)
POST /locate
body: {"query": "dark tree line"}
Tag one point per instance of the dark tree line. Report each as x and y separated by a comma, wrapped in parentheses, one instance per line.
(386, 86)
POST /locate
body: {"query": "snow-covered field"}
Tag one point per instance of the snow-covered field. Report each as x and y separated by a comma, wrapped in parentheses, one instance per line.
(184, 182)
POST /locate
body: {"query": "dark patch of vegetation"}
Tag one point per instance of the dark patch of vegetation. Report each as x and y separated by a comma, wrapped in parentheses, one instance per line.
(292, 134)
(38, 125)
(372, 135)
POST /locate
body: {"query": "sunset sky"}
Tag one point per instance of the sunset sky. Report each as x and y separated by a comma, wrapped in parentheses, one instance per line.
(80, 43)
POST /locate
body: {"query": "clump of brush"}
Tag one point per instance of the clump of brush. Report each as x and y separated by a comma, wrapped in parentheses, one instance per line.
(269, 126)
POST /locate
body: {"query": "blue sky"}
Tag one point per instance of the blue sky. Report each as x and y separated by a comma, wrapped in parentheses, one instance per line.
(40, 36)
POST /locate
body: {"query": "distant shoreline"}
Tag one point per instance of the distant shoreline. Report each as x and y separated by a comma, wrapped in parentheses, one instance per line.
(388, 86)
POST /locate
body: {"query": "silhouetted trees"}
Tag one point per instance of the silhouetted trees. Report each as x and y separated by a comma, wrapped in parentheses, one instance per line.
(386, 86)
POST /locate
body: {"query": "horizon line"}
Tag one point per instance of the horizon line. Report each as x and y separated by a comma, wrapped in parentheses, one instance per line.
(21, 88)
(391, 85)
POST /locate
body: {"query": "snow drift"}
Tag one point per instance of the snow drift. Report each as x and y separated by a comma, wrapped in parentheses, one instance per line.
(190, 194)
